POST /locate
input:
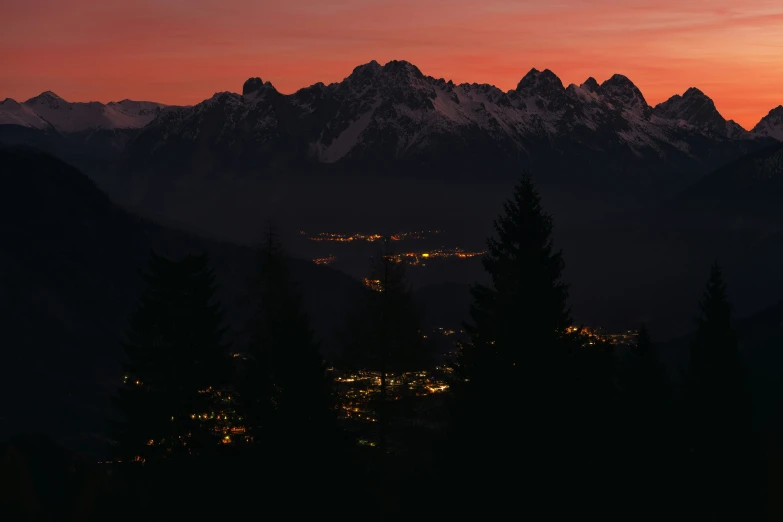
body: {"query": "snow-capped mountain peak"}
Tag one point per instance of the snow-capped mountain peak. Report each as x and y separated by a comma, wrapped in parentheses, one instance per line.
(771, 125)
(48, 110)
(21, 114)
(46, 99)
(393, 114)
(696, 109)
(623, 94)
(542, 91)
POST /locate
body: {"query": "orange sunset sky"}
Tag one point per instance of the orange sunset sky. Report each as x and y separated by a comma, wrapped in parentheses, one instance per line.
(182, 51)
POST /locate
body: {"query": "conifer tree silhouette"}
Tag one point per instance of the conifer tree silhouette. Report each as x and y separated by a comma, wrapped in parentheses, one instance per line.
(383, 334)
(176, 362)
(719, 410)
(511, 400)
(286, 386)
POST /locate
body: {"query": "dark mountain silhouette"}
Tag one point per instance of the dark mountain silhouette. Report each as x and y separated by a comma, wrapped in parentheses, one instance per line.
(68, 280)
(392, 119)
(771, 125)
(436, 149)
(752, 184)
(696, 109)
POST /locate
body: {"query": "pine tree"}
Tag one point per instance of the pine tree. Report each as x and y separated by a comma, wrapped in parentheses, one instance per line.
(526, 299)
(176, 362)
(510, 393)
(286, 391)
(384, 332)
(719, 408)
(384, 335)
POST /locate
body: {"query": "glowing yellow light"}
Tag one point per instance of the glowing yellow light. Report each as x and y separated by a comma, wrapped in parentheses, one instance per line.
(425, 255)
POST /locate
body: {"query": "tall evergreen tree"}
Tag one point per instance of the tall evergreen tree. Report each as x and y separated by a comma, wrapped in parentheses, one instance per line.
(719, 410)
(286, 392)
(176, 362)
(509, 393)
(384, 334)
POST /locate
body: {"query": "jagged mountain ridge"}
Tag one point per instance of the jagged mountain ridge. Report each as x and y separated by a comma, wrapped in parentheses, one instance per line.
(90, 135)
(393, 117)
(49, 111)
(696, 109)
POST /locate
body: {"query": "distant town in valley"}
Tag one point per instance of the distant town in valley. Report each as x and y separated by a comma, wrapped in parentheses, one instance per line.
(359, 390)
(415, 258)
(346, 237)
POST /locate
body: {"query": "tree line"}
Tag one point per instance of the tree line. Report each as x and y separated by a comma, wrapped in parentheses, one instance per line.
(540, 423)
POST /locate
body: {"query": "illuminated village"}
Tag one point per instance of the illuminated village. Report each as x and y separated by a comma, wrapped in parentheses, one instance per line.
(421, 258)
(599, 335)
(345, 238)
(416, 258)
(359, 392)
(373, 284)
(327, 260)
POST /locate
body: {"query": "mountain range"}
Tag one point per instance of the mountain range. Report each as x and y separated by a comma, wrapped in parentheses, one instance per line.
(47, 110)
(393, 119)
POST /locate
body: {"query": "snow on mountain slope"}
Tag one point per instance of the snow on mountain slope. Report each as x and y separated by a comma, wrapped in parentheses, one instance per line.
(14, 113)
(393, 111)
(388, 116)
(696, 109)
(393, 117)
(771, 125)
(619, 92)
(48, 109)
(137, 113)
